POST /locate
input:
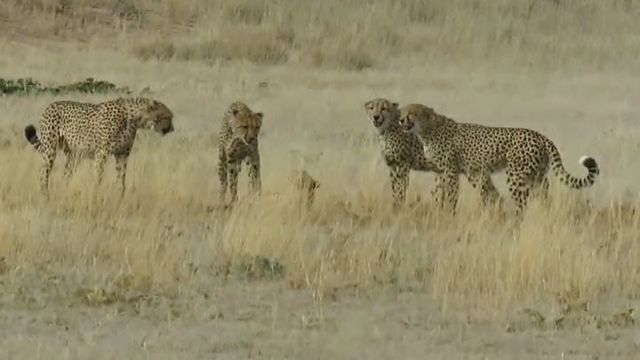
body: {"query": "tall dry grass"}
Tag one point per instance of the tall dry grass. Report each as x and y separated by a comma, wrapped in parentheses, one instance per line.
(354, 34)
(169, 236)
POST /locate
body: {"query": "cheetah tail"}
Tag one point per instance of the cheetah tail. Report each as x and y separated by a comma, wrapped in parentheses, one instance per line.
(568, 179)
(32, 137)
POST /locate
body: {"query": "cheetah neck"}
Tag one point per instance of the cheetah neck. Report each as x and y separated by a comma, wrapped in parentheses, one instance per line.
(133, 108)
(432, 129)
(390, 129)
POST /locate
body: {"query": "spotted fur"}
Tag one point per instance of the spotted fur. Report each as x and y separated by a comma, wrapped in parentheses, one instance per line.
(238, 142)
(401, 151)
(478, 151)
(97, 130)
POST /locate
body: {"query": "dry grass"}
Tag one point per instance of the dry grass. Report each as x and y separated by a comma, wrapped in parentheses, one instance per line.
(353, 34)
(170, 237)
(171, 218)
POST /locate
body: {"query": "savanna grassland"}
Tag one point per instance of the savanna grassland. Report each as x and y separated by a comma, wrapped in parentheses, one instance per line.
(169, 273)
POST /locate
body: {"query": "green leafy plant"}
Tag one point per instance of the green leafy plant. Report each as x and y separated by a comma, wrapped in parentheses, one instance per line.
(28, 86)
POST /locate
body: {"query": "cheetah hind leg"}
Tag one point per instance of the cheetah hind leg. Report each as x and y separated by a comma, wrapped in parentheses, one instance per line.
(520, 189)
(541, 190)
(399, 183)
(446, 190)
(540, 181)
(48, 158)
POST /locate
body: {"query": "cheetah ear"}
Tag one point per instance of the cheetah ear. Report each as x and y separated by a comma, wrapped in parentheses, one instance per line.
(395, 105)
(259, 115)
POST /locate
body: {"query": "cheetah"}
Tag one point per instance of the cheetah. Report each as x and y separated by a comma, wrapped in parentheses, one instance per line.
(238, 142)
(83, 129)
(478, 151)
(401, 151)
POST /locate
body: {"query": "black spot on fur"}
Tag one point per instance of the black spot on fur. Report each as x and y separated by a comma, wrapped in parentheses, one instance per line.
(590, 163)
(30, 134)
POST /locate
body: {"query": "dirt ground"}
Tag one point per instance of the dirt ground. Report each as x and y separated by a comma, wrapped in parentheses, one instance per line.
(268, 320)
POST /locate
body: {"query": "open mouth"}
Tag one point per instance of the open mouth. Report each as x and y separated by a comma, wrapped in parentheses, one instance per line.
(406, 125)
(247, 141)
(377, 122)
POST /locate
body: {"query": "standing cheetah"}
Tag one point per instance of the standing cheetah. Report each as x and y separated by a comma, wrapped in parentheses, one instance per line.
(401, 151)
(478, 151)
(238, 141)
(97, 130)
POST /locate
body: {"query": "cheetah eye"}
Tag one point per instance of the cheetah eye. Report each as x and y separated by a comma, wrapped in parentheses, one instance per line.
(383, 108)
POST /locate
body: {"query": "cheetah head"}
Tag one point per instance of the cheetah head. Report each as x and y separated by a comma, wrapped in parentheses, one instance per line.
(382, 112)
(158, 117)
(416, 118)
(245, 123)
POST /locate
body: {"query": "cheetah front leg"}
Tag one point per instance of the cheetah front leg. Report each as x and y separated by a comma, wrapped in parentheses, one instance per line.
(399, 183)
(69, 166)
(233, 168)
(222, 172)
(71, 162)
(446, 191)
(98, 165)
(437, 192)
(255, 182)
(121, 171)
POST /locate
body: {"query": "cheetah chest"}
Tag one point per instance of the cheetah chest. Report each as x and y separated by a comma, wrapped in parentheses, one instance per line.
(238, 150)
(389, 151)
